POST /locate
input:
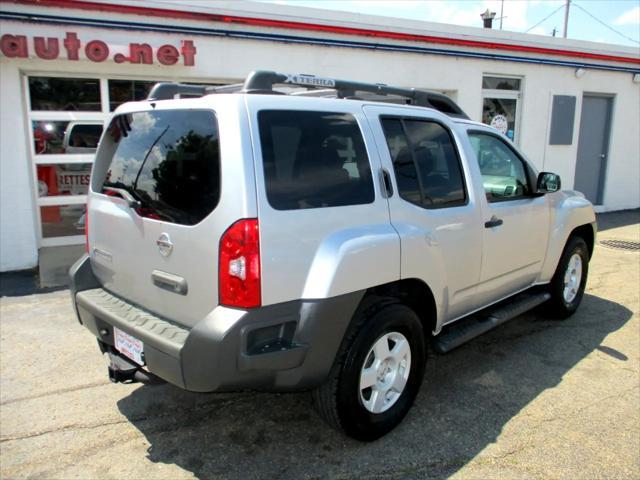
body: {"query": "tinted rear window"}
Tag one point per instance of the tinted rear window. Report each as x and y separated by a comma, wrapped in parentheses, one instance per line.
(169, 160)
(426, 163)
(313, 160)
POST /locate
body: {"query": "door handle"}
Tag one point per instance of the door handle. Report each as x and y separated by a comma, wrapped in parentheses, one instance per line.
(170, 282)
(385, 180)
(494, 222)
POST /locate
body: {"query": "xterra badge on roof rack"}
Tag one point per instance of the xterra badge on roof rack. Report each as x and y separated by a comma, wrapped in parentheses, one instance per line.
(310, 80)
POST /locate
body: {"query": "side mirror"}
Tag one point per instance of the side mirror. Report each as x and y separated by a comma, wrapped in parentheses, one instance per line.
(547, 183)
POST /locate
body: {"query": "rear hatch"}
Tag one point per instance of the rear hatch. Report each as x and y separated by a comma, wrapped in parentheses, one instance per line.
(154, 225)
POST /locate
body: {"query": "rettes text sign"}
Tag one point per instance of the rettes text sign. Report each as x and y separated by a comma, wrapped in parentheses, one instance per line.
(69, 48)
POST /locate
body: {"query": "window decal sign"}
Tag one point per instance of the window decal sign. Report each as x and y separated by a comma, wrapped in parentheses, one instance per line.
(500, 123)
(69, 48)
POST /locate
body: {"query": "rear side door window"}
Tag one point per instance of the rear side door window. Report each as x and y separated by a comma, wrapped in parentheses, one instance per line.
(425, 162)
(313, 160)
(504, 173)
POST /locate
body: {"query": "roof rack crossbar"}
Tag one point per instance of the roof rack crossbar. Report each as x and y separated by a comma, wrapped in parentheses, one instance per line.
(232, 88)
(166, 91)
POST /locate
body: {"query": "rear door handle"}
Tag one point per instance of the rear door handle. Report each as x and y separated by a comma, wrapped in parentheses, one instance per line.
(385, 180)
(169, 281)
(494, 222)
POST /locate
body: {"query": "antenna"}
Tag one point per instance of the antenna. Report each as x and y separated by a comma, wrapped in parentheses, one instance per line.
(566, 17)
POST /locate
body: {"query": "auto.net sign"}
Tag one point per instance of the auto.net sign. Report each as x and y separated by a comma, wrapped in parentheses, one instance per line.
(70, 47)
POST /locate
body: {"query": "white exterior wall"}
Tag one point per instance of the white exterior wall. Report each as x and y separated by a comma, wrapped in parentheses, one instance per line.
(225, 59)
(622, 181)
(18, 239)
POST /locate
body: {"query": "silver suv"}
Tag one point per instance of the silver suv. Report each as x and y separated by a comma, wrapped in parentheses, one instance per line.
(241, 238)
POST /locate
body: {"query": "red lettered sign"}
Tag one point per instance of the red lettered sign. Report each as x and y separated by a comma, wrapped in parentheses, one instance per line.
(49, 48)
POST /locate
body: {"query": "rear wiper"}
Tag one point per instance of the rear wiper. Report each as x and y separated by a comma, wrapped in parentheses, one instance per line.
(131, 201)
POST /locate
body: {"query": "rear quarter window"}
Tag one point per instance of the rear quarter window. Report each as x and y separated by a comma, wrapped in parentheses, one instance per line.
(169, 160)
(313, 160)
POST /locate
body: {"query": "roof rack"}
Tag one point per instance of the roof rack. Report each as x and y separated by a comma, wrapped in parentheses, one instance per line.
(263, 81)
(167, 91)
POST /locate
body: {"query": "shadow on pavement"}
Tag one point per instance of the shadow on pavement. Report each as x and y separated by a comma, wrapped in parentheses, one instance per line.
(467, 398)
(609, 220)
(23, 282)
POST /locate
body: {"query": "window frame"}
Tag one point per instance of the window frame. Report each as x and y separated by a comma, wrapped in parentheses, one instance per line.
(519, 78)
(64, 76)
(463, 177)
(500, 94)
(102, 115)
(35, 159)
(525, 164)
(107, 90)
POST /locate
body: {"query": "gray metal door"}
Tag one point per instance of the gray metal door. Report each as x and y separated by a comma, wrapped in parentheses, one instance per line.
(595, 124)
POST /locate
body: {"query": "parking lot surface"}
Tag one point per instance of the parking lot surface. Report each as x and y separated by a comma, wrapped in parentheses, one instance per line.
(532, 399)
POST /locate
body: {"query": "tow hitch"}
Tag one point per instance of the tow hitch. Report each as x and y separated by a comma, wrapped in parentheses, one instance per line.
(122, 370)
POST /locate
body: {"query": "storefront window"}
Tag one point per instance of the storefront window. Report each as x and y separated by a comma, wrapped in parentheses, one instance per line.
(63, 220)
(56, 137)
(121, 91)
(63, 179)
(65, 94)
(67, 116)
(501, 83)
(500, 113)
(500, 104)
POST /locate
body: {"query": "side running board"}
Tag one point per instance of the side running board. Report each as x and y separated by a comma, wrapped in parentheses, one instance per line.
(467, 329)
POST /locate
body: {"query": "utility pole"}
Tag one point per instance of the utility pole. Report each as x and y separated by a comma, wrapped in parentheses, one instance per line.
(566, 17)
(501, 13)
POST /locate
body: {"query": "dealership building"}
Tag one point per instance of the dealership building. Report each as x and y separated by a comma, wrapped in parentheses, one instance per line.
(572, 106)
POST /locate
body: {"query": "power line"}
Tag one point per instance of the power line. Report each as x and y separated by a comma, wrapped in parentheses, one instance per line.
(544, 19)
(605, 24)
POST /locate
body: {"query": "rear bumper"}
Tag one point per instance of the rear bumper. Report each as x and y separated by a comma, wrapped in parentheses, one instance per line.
(287, 346)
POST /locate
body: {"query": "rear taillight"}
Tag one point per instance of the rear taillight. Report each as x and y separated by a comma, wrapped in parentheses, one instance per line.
(239, 265)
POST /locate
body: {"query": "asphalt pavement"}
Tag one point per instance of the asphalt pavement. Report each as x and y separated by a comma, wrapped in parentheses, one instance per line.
(532, 399)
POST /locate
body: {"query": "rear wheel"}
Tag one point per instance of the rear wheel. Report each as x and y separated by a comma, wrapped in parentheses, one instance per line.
(377, 373)
(569, 281)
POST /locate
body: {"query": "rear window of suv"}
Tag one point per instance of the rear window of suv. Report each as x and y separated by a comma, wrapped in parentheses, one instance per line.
(313, 160)
(169, 160)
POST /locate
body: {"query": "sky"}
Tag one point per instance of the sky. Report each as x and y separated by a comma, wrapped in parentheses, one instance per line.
(518, 15)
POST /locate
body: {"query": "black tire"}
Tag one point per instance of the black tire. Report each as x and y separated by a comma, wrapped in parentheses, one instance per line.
(338, 400)
(557, 307)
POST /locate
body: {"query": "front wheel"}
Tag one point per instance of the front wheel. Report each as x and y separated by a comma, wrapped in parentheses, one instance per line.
(569, 281)
(377, 373)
